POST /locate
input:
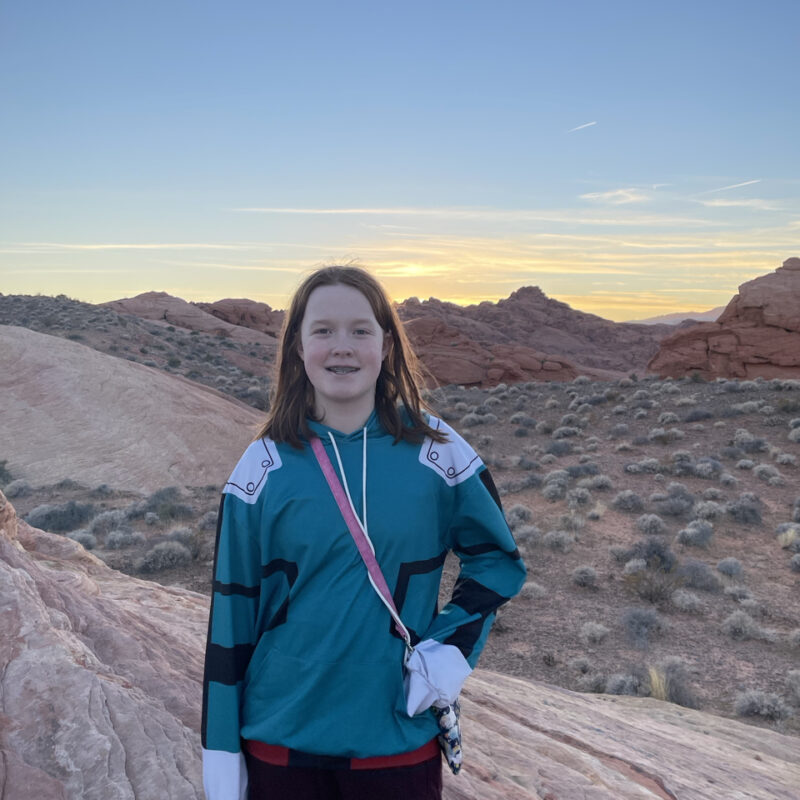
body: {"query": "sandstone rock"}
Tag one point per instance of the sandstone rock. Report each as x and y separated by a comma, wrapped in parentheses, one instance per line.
(530, 319)
(246, 313)
(71, 412)
(450, 356)
(165, 308)
(758, 334)
(101, 695)
(100, 687)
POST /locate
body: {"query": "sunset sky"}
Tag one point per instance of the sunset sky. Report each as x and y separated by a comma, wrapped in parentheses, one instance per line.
(629, 158)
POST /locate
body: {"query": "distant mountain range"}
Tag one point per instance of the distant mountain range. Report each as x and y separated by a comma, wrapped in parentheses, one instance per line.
(679, 316)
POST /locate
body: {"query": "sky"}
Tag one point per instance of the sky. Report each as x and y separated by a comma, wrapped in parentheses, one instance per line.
(629, 158)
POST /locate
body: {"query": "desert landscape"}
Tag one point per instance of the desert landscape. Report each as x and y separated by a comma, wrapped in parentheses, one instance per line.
(649, 474)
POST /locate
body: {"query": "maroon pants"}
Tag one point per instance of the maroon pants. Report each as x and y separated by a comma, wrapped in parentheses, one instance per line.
(418, 782)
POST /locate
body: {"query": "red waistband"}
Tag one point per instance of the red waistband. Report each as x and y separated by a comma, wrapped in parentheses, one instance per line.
(280, 756)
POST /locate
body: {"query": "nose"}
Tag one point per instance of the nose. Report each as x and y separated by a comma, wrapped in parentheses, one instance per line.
(342, 344)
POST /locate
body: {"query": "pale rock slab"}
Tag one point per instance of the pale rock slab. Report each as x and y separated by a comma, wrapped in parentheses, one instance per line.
(72, 412)
(100, 698)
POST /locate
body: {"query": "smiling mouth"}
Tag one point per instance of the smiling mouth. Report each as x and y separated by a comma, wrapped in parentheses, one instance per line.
(342, 370)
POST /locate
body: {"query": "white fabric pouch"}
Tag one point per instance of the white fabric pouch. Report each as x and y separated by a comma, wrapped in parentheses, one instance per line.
(434, 675)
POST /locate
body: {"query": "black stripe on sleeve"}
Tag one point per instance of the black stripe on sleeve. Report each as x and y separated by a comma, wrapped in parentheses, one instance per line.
(488, 547)
(475, 598)
(487, 481)
(227, 589)
(465, 637)
(227, 665)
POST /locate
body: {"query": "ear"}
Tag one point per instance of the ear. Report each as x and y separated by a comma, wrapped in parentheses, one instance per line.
(387, 340)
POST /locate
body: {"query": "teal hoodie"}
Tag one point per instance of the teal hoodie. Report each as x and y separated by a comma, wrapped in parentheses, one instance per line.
(301, 652)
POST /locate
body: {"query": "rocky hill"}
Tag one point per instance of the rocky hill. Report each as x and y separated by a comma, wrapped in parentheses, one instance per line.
(758, 334)
(531, 319)
(101, 697)
(71, 412)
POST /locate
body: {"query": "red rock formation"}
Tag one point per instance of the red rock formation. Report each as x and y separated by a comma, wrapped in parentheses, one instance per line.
(758, 334)
(246, 313)
(452, 357)
(530, 319)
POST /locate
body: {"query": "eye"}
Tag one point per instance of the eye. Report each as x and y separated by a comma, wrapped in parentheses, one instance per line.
(321, 330)
(362, 332)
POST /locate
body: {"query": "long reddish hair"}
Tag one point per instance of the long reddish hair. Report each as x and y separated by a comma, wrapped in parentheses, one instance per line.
(399, 381)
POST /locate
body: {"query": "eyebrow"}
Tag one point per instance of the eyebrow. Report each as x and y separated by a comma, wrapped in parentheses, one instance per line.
(351, 322)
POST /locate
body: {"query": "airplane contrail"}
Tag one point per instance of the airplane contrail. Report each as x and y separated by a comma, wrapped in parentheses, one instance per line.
(580, 127)
(732, 186)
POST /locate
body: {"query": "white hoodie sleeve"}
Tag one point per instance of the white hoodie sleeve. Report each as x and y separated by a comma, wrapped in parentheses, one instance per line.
(224, 775)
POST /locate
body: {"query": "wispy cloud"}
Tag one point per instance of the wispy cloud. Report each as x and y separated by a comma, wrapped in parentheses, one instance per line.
(581, 127)
(753, 202)
(732, 186)
(616, 197)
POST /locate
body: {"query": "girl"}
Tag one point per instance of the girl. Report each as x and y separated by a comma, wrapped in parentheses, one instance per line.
(303, 691)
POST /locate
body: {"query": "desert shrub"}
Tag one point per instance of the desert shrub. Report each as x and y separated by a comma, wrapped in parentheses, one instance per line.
(651, 524)
(755, 703)
(60, 518)
(533, 590)
(792, 682)
(794, 562)
(581, 664)
(707, 467)
(698, 414)
(786, 459)
(634, 565)
(585, 576)
(677, 501)
(17, 488)
(697, 533)
(655, 552)
(730, 567)
(665, 436)
(649, 466)
(708, 510)
(796, 511)
(187, 537)
(520, 418)
(640, 413)
(517, 514)
(793, 638)
(527, 534)
(166, 503)
(5, 473)
(84, 538)
(561, 541)
(125, 537)
(748, 443)
(769, 474)
(165, 555)
(599, 483)
(726, 479)
(578, 498)
(740, 626)
(208, 522)
(627, 683)
(565, 432)
(593, 633)
(544, 427)
(738, 593)
(560, 448)
(667, 418)
(669, 680)
(593, 682)
(698, 575)
(619, 430)
(712, 493)
(794, 435)
(628, 500)
(687, 601)
(107, 521)
(640, 624)
(745, 463)
(586, 467)
(746, 509)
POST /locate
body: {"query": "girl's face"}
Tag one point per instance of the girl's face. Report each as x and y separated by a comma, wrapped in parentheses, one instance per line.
(342, 348)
